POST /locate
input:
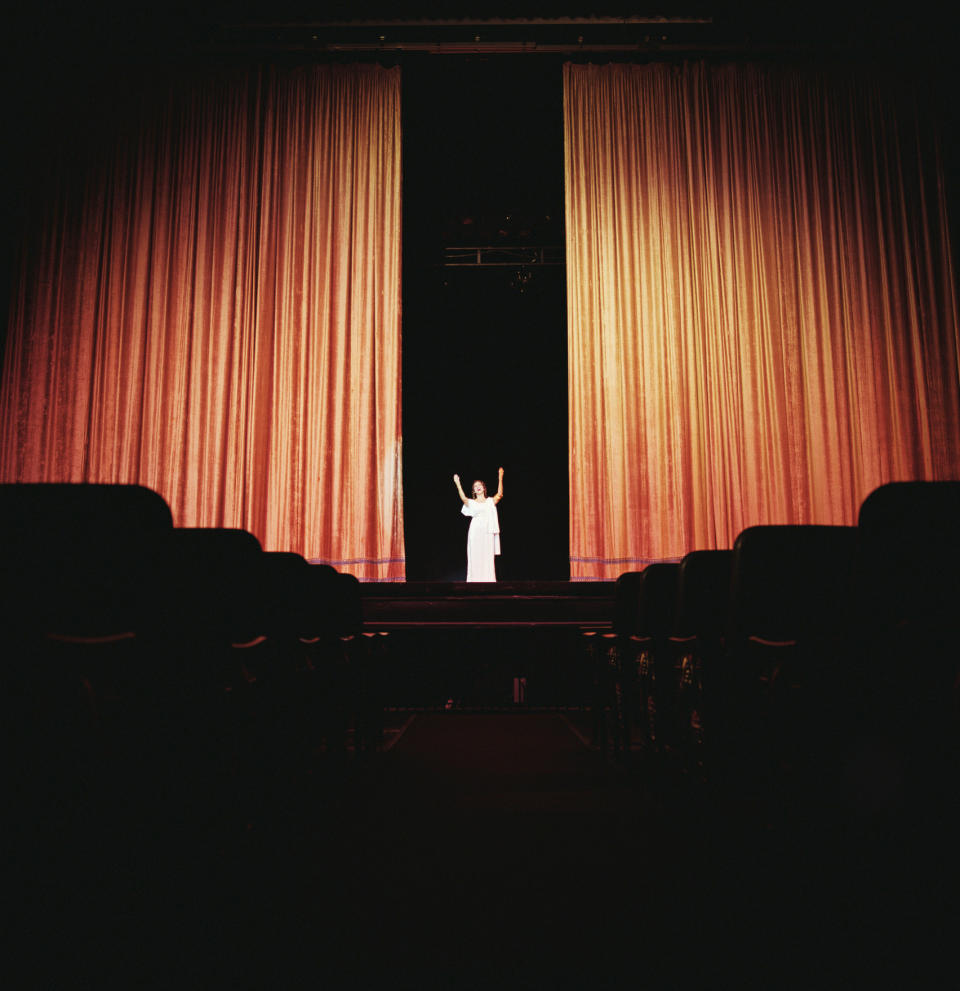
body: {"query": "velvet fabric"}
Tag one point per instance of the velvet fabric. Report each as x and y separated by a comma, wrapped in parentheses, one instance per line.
(209, 305)
(762, 320)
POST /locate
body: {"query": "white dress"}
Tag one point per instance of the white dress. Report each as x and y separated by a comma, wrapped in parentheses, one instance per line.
(483, 539)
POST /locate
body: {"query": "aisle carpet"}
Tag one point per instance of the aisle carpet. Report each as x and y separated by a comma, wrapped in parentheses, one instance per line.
(500, 847)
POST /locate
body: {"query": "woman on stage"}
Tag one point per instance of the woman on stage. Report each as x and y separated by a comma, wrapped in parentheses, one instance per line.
(483, 537)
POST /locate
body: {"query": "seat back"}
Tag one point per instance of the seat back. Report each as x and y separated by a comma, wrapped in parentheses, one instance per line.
(703, 593)
(287, 595)
(909, 547)
(348, 605)
(657, 607)
(626, 609)
(789, 582)
(73, 555)
(208, 584)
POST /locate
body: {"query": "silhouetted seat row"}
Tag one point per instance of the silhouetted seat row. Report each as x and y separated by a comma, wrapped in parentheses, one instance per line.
(801, 650)
(148, 660)
(100, 560)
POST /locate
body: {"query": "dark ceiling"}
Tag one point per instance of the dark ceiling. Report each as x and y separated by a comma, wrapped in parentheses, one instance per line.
(51, 30)
(65, 63)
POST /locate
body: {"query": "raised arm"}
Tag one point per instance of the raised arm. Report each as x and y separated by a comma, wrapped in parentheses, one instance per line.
(456, 481)
(499, 494)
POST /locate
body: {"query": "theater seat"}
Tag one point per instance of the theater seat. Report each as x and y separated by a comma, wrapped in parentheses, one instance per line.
(651, 698)
(703, 599)
(780, 695)
(73, 561)
(910, 545)
(789, 582)
(73, 555)
(627, 603)
(908, 584)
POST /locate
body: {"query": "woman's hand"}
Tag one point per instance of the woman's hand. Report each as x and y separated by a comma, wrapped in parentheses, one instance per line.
(500, 473)
(456, 479)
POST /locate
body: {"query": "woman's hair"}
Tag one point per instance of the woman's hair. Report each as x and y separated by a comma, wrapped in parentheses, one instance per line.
(476, 482)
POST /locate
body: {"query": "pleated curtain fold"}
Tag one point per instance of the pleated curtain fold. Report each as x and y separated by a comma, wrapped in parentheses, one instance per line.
(762, 320)
(209, 305)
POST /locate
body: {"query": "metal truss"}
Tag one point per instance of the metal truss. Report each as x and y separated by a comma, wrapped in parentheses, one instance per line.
(489, 256)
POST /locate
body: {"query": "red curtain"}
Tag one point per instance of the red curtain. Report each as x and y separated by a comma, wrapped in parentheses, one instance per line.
(211, 307)
(761, 304)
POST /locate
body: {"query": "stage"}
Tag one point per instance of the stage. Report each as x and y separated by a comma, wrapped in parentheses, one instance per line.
(397, 606)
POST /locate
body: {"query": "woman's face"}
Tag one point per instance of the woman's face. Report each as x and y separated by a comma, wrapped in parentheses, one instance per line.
(479, 490)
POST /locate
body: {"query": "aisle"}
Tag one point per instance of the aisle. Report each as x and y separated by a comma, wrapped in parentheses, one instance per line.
(504, 845)
(505, 762)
